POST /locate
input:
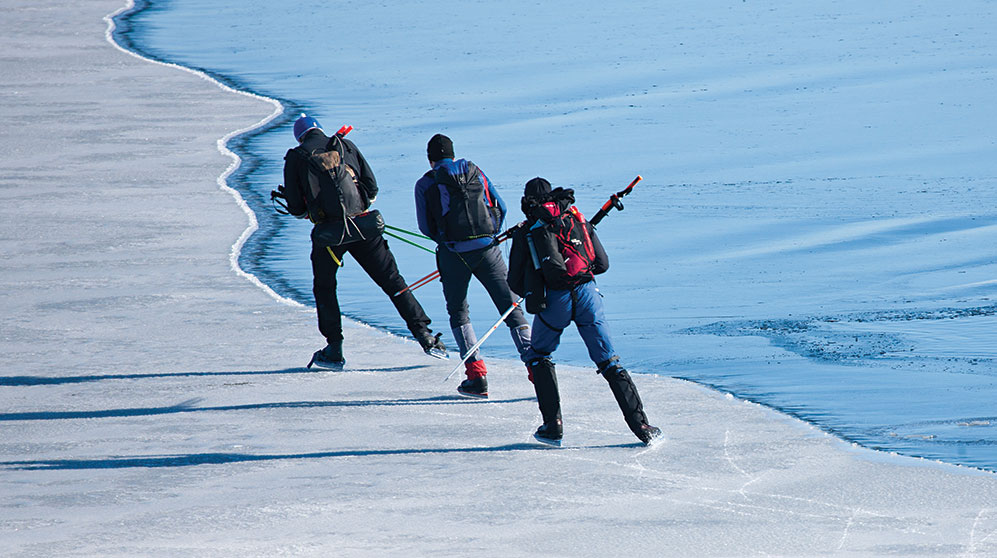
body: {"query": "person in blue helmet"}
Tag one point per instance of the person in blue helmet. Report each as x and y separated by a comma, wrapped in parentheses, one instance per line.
(553, 263)
(372, 252)
(457, 206)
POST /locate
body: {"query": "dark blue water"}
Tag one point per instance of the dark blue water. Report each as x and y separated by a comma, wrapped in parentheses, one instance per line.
(746, 260)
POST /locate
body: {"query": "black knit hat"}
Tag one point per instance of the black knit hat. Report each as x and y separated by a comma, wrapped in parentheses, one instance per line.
(537, 189)
(440, 147)
(536, 192)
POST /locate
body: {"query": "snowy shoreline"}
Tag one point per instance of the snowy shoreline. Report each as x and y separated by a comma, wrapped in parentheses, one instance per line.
(223, 148)
(163, 419)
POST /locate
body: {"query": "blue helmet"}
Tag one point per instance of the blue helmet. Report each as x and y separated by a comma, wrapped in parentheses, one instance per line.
(303, 124)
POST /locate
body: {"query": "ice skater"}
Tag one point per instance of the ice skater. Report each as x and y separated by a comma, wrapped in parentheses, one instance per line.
(457, 207)
(338, 201)
(553, 263)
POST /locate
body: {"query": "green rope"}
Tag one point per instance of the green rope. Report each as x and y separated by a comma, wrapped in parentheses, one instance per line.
(415, 234)
(431, 251)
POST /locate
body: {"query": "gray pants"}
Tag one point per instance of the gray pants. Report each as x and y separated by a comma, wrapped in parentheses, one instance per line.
(488, 266)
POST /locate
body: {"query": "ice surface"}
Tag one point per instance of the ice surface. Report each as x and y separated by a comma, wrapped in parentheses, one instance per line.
(151, 403)
(803, 163)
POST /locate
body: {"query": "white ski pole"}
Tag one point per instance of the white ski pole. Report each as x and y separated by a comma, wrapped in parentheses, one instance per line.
(482, 340)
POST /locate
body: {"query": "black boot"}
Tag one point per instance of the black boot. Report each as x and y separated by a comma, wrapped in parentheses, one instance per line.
(629, 401)
(331, 357)
(550, 434)
(432, 346)
(648, 433)
(548, 399)
(476, 388)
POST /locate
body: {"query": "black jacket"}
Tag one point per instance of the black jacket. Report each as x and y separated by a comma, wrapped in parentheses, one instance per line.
(296, 170)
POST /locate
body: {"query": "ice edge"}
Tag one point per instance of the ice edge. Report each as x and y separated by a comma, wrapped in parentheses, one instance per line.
(222, 145)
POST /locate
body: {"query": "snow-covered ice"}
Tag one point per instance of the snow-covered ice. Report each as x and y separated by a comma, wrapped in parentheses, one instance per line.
(151, 403)
(804, 164)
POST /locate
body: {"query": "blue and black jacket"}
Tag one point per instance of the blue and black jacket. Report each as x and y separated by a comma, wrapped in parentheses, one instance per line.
(457, 206)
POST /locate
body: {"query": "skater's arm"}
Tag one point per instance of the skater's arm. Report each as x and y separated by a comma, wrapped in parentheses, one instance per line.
(366, 178)
(519, 258)
(293, 184)
(495, 197)
(422, 209)
(601, 262)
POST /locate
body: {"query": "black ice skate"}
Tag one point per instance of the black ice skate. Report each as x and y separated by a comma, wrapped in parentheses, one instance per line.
(433, 346)
(648, 433)
(550, 434)
(330, 358)
(477, 388)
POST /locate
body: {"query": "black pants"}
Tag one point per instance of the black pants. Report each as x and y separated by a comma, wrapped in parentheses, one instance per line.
(376, 259)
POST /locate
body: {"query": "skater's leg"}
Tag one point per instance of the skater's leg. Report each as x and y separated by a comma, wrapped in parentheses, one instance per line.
(590, 319)
(492, 273)
(375, 257)
(324, 269)
(549, 325)
(548, 399)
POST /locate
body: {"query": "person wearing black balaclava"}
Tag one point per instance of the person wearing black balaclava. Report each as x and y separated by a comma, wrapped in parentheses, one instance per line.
(559, 297)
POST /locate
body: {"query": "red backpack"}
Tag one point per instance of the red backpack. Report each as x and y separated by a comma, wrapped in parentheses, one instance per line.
(561, 246)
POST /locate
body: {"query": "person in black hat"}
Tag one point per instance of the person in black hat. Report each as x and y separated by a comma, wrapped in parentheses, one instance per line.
(458, 207)
(372, 252)
(553, 263)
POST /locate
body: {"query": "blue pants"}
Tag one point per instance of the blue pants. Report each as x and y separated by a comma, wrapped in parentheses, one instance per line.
(582, 305)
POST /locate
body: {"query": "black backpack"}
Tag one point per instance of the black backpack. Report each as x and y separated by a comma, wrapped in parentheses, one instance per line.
(470, 213)
(333, 192)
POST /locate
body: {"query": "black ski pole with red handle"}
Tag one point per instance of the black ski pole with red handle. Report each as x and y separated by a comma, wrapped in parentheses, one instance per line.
(613, 201)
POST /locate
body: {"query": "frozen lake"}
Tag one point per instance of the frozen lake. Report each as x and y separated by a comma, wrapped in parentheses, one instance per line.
(815, 229)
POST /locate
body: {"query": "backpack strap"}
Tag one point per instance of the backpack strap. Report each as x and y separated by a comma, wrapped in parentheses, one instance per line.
(300, 150)
(484, 183)
(335, 142)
